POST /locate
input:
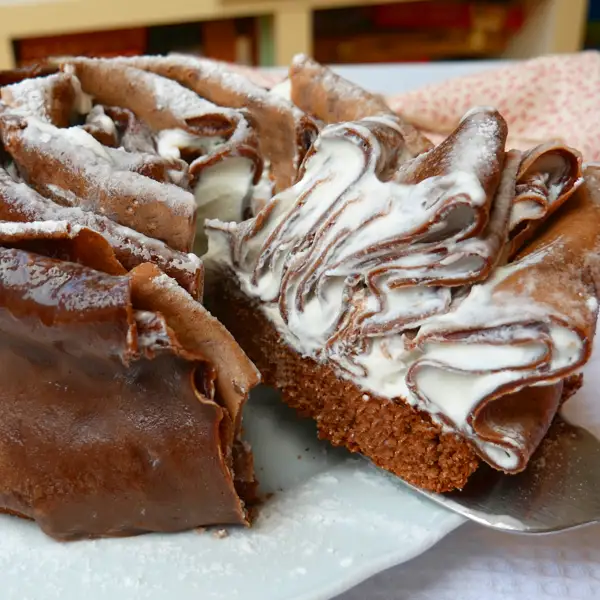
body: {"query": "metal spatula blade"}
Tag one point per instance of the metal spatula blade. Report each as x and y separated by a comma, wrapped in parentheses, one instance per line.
(559, 490)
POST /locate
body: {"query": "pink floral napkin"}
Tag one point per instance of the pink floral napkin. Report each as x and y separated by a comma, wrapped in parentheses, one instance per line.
(553, 97)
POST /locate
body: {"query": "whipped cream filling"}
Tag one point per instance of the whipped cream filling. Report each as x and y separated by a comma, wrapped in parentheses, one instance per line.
(348, 265)
(262, 193)
(83, 101)
(170, 142)
(98, 118)
(222, 190)
(283, 89)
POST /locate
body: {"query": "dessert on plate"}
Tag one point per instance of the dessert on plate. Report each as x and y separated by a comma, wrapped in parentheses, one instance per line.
(430, 307)
(122, 395)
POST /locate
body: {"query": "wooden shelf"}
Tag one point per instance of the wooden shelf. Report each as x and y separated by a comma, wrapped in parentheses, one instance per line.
(389, 47)
(555, 25)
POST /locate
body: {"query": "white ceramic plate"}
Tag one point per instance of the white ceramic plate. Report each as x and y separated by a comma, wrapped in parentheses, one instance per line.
(333, 521)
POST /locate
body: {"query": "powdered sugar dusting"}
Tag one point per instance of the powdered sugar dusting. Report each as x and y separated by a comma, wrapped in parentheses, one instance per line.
(478, 146)
(220, 73)
(28, 96)
(234, 81)
(81, 153)
(184, 103)
(35, 97)
(36, 229)
(167, 283)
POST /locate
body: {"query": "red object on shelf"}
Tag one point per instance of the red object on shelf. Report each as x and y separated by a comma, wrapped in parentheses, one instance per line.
(515, 18)
(218, 39)
(125, 42)
(419, 15)
(439, 14)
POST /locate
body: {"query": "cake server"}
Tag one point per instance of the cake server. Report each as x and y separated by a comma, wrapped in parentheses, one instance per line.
(560, 489)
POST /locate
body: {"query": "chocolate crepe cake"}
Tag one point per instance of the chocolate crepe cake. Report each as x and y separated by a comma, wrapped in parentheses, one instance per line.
(122, 395)
(430, 307)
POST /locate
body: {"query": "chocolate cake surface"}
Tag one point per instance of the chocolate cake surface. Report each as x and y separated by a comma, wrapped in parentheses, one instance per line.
(116, 420)
(393, 435)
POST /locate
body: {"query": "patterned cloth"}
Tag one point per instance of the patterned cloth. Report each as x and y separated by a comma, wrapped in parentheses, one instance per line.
(553, 97)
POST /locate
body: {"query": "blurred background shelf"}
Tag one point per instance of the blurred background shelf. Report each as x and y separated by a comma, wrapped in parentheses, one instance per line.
(270, 32)
(592, 39)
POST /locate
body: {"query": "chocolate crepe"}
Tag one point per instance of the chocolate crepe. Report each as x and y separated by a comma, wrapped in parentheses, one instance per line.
(284, 132)
(163, 104)
(132, 146)
(74, 169)
(117, 420)
(548, 175)
(18, 202)
(322, 93)
(122, 394)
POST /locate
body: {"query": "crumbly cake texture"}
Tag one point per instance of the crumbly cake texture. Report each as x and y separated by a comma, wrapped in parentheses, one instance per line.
(392, 434)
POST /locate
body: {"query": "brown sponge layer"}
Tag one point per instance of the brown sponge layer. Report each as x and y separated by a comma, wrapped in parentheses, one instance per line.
(393, 435)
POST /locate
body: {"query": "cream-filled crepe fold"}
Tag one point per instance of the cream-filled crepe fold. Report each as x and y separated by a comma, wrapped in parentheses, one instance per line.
(285, 132)
(395, 272)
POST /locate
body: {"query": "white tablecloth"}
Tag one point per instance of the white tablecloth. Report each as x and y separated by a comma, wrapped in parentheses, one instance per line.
(474, 563)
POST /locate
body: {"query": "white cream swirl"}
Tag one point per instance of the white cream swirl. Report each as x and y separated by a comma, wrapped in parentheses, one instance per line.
(382, 268)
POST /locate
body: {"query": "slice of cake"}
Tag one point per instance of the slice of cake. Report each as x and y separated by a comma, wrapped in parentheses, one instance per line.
(429, 307)
(121, 395)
